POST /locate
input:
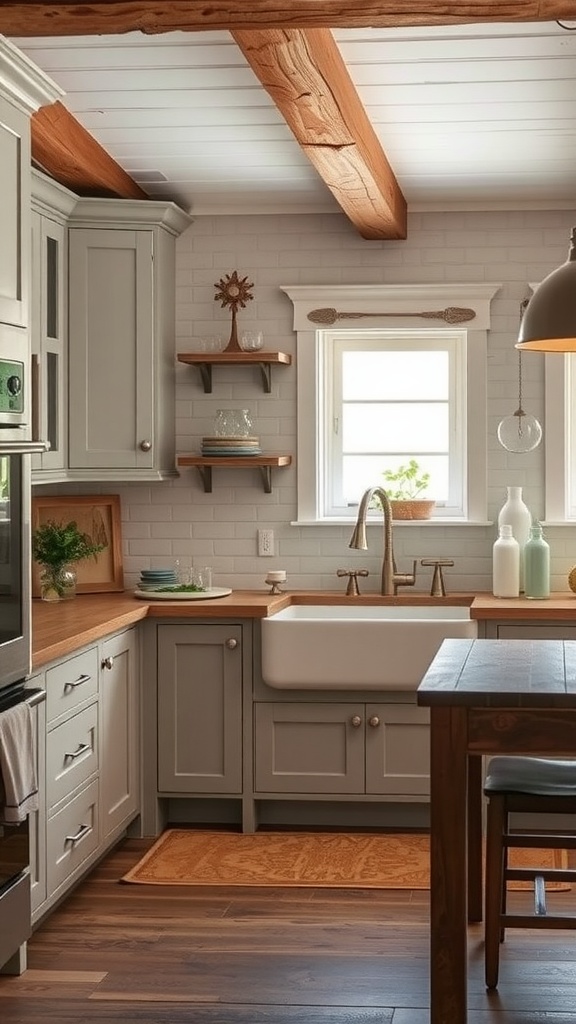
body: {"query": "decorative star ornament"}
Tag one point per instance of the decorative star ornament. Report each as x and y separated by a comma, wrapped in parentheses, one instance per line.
(233, 291)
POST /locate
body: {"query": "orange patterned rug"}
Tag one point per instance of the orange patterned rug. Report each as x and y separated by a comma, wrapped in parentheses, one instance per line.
(323, 859)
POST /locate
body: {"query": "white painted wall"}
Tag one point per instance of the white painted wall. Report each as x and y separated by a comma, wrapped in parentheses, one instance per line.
(177, 520)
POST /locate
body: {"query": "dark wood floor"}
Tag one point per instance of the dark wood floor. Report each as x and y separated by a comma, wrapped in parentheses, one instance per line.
(117, 953)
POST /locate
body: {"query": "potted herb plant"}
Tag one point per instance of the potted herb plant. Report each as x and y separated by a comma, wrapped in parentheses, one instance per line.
(406, 487)
(56, 547)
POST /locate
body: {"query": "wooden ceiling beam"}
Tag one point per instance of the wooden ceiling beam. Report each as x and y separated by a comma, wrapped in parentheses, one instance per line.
(82, 17)
(68, 153)
(305, 75)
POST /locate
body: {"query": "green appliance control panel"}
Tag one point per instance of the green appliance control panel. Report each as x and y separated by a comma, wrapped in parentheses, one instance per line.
(11, 386)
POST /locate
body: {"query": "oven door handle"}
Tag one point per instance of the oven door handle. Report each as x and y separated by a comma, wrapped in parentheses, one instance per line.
(37, 696)
(23, 447)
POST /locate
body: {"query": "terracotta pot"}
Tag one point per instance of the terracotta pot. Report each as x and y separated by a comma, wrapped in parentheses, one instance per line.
(416, 509)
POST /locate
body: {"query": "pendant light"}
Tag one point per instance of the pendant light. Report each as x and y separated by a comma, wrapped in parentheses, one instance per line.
(520, 432)
(549, 323)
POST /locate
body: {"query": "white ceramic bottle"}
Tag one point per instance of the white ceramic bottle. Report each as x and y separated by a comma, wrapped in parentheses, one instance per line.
(506, 564)
(516, 514)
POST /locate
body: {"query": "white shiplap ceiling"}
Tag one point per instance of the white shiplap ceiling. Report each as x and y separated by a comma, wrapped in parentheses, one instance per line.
(469, 116)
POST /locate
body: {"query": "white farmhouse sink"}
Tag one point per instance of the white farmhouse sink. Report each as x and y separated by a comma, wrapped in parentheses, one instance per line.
(353, 647)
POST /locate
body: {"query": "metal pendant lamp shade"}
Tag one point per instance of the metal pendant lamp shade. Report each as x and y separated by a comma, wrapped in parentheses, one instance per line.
(549, 321)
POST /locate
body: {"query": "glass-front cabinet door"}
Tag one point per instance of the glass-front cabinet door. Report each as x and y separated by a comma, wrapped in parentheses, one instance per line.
(48, 342)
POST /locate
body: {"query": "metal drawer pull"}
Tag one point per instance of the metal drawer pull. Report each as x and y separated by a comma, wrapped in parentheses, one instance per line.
(76, 753)
(107, 662)
(231, 644)
(84, 830)
(73, 683)
(356, 721)
(374, 721)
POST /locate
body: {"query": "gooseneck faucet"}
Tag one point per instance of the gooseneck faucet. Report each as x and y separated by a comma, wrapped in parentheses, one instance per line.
(391, 579)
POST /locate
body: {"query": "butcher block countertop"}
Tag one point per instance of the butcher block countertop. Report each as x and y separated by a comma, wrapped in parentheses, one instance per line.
(61, 628)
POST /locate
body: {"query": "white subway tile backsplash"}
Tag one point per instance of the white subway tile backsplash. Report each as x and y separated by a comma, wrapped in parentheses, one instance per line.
(177, 519)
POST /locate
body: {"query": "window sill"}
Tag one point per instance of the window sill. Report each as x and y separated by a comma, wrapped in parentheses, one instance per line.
(398, 523)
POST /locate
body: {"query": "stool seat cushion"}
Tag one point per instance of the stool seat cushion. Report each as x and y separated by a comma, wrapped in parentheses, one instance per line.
(533, 775)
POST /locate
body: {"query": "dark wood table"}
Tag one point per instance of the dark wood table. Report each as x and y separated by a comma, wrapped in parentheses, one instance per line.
(485, 697)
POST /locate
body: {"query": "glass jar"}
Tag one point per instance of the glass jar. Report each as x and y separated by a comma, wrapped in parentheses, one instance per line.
(233, 423)
(57, 583)
(252, 341)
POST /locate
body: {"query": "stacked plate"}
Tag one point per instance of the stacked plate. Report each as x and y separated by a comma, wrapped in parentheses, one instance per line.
(231, 445)
(155, 579)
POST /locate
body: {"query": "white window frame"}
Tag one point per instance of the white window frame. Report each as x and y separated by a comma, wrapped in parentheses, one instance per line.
(397, 300)
(560, 438)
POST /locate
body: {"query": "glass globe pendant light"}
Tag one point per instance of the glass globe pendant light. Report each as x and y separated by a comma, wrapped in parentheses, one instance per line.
(519, 432)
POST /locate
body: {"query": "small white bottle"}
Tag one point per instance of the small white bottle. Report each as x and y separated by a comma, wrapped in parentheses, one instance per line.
(506, 564)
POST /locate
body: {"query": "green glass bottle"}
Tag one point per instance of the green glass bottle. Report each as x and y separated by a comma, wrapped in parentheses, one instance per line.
(536, 564)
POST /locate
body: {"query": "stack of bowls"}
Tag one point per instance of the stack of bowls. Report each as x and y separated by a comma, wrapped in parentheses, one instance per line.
(156, 579)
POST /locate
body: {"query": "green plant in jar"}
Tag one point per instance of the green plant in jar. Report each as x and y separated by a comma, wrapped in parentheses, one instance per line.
(409, 482)
(56, 547)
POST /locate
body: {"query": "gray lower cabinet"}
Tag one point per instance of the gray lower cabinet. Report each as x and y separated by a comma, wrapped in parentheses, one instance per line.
(341, 748)
(88, 763)
(199, 709)
(508, 630)
(119, 732)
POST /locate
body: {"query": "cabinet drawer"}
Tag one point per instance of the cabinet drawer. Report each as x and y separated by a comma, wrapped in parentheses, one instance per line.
(72, 836)
(71, 683)
(71, 755)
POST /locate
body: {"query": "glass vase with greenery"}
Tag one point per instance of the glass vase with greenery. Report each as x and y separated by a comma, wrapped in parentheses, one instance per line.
(57, 547)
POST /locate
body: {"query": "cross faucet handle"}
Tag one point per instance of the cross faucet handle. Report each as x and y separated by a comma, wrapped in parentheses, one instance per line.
(352, 589)
(437, 589)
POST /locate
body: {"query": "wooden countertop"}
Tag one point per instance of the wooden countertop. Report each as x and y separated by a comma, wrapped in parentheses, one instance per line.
(559, 607)
(61, 628)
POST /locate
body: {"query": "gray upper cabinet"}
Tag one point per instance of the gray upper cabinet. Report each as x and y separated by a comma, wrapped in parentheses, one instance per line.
(51, 206)
(121, 339)
(23, 89)
(15, 248)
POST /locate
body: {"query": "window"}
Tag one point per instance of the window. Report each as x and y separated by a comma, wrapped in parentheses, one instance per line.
(372, 398)
(392, 396)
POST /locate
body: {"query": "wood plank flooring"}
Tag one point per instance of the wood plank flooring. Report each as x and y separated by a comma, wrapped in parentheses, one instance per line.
(117, 953)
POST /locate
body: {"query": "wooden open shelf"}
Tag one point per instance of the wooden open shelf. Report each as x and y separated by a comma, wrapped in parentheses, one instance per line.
(204, 464)
(204, 361)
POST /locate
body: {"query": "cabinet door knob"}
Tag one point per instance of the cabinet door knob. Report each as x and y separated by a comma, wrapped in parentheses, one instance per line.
(145, 446)
(355, 721)
(107, 662)
(374, 721)
(231, 643)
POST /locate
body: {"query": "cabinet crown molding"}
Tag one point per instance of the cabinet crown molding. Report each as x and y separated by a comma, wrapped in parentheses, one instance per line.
(22, 83)
(50, 198)
(129, 213)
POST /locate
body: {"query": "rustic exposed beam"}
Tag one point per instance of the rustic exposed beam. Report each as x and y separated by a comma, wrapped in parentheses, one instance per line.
(68, 153)
(305, 75)
(82, 17)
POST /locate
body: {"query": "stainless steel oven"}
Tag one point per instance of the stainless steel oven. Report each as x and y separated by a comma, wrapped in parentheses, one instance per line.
(15, 910)
(15, 623)
(15, 558)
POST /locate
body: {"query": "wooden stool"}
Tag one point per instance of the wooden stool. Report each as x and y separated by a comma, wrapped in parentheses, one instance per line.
(533, 785)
